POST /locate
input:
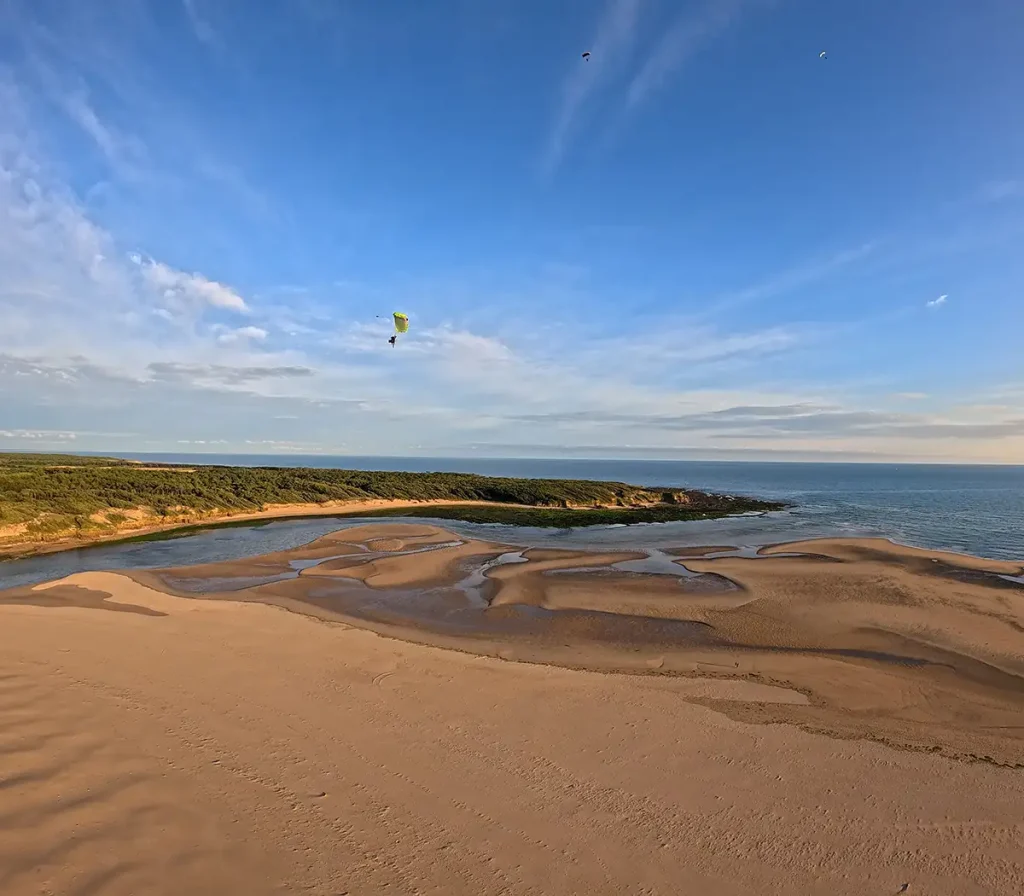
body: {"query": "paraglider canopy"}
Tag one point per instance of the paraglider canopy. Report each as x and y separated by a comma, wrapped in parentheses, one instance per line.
(401, 322)
(587, 55)
(823, 55)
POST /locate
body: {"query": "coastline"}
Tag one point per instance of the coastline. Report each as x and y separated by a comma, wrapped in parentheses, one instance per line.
(281, 512)
(52, 503)
(382, 508)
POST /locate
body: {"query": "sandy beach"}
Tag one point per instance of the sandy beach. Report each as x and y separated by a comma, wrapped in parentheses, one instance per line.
(395, 709)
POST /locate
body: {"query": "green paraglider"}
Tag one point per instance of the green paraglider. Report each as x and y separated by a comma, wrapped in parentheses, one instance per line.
(401, 326)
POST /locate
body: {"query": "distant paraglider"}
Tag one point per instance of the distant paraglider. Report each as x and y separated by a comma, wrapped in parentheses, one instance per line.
(586, 56)
(823, 54)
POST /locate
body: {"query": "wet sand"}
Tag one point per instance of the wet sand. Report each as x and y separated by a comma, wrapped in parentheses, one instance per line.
(843, 721)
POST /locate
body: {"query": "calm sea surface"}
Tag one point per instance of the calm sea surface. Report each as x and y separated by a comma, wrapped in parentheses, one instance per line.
(972, 509)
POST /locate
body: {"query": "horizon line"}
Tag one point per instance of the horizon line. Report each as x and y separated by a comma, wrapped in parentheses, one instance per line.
(499, 457)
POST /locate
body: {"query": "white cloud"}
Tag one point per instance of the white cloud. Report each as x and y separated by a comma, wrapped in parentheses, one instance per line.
(243, 333)
(937, 303)
(174, 284)
(68, 291)
(38, 435)
(610, 45)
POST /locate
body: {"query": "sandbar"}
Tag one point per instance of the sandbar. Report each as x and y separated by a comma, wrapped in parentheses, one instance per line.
(843, 722)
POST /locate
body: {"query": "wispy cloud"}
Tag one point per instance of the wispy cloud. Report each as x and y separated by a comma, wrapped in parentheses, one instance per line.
(202, 29)
(141, 128)
(794, 278)
(242, 334)
(38, 435)
(234, 181)
(782, 423)
(690, 32)
(1002, 190)
(692, 349)
(220, 373)
(609, 48)
(124, 153)
(937, 303)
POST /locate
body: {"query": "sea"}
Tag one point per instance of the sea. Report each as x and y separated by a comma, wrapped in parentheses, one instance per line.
(975, 510)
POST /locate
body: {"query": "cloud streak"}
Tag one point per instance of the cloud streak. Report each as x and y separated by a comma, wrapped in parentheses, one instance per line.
(790, 421)
(220, 374)
(1002, 191)
(795, 278)
(687, 35)
(609, 47)
(937, 303)
(202, 29)
(117, 149)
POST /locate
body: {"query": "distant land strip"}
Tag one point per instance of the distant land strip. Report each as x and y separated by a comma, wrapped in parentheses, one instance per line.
(57, 501)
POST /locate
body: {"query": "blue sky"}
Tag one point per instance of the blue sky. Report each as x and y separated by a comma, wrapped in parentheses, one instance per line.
(705, 241)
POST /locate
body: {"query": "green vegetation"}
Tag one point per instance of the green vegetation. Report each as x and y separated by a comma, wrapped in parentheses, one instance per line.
(49, 496)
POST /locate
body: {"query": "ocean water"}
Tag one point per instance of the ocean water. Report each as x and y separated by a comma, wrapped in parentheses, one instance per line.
(970, 509)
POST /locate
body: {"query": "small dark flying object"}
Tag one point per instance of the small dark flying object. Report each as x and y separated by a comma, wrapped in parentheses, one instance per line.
(587, 56)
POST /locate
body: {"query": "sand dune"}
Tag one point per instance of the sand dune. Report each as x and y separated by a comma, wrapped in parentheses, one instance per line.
(155, 744)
